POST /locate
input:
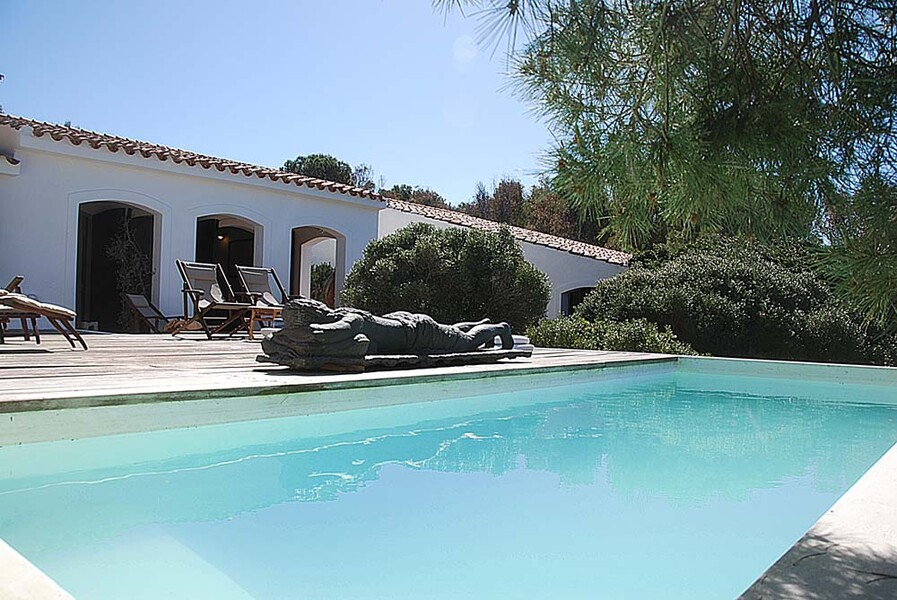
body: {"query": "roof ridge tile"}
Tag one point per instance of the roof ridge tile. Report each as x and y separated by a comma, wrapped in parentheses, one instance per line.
(113, 143)
(526, 235)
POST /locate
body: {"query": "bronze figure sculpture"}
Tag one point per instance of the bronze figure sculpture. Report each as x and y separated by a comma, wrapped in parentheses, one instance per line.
(317, 337)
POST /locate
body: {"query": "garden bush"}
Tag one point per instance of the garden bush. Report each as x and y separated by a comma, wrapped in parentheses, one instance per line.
(451, 274)
(635, 335)
(739, 298)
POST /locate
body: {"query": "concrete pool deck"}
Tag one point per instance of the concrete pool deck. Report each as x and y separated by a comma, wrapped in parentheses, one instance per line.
(850, 552)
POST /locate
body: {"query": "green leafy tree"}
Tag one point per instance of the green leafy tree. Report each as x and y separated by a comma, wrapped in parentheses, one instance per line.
(321, 166)
(541, 208)
(428, 197)
(479, 205)
(507, 202)
(684, 117)
(400, 191)
(503, 205)
(452, 274)
(548, 211)
(418, 195)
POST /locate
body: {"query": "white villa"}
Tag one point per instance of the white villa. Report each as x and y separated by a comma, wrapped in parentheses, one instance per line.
(64, 192)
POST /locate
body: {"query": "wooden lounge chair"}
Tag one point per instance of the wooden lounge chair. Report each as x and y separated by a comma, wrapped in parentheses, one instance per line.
(146, 311)
(7, 314)
(266, 307)
(256, 282)
(207, 289)
(61, 318)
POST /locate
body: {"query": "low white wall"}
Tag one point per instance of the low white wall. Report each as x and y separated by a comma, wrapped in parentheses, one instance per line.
(565, 271)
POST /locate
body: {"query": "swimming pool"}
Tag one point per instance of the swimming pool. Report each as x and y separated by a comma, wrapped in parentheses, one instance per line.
(628, 482)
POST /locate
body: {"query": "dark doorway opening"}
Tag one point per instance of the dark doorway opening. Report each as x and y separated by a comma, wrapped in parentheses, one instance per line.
(228, 241)
(115, 254)
(571, 298)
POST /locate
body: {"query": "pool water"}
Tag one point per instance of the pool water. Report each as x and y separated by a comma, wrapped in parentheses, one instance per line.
(665, 485)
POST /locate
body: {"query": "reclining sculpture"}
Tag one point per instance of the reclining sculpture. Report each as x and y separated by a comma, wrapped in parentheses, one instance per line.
(317, 337)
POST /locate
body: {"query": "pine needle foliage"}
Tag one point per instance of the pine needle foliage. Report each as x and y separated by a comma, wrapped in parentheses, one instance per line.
(677, 118)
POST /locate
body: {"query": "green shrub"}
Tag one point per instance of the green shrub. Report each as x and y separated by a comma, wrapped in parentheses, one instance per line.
(639, 335)
(564, 332)
(322, 282)
(636, 335)
(451, 274)
(739, 298)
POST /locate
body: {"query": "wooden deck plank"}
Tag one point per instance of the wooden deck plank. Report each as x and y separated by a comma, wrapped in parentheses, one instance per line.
(123, 365)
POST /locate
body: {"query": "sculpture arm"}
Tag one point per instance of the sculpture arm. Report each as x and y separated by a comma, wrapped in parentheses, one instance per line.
(468, 325)
(349, 322)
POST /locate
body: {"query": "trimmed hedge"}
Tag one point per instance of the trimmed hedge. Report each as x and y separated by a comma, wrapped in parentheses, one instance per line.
(452, 274)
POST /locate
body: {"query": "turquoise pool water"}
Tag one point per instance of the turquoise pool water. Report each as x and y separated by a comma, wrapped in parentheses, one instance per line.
(657, 485)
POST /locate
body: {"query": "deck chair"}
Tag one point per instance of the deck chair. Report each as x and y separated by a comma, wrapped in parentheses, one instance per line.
(256, 282)
(146, 312)
(207, 289)
(61, 318)
(7, 314)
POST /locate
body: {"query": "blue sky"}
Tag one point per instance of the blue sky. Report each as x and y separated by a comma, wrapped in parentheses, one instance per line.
(389, 83)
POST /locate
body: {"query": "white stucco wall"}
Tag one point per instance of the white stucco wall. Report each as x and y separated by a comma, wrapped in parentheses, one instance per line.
(39, 214)
(565, 271)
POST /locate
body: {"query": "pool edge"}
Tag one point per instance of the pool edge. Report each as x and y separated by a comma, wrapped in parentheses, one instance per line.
(324, 382)
(851, 551)
(20, 579)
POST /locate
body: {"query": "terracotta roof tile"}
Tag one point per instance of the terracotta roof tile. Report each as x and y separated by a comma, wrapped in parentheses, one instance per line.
(130, 147)
(524, 235)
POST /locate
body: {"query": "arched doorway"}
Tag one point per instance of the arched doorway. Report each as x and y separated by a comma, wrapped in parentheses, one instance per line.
(116, 245)
(229, 241)
(318, 263)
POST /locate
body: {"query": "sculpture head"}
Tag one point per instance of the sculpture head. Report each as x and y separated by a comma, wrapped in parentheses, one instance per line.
(305, 311)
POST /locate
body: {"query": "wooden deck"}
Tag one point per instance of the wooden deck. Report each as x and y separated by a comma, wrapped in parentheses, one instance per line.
(121, 368)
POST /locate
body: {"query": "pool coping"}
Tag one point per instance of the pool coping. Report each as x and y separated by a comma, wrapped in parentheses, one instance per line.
(856, 538)
(21, 580)
(320, 382)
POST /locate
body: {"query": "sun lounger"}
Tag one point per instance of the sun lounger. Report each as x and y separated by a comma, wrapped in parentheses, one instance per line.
(61, 318)
(7, 314)
(256, 282)
(207, 289)
(146, 311)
